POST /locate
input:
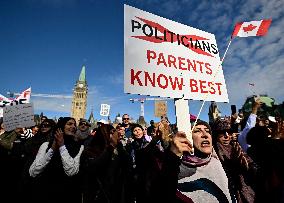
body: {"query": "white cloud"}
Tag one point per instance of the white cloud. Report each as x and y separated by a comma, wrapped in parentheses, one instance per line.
(267, 80)
(60, 105)
(52, 104)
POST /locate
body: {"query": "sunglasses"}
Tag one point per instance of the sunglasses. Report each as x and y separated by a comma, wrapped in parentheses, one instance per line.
(83, 124)
(225, 131)
(45, 125)
(125, 118)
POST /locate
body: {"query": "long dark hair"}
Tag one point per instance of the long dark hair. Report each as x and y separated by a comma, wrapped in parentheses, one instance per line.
(100, 140)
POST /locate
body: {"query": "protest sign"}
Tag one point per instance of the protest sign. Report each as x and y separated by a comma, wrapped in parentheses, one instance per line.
(160, 108)
(168, 59)
(21, 115)
(105, 109)
(23, 98)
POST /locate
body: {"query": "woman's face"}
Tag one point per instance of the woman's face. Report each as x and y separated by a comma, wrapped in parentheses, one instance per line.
(121, 131)
(145, 131)
(138, 132)
(45, 127)
(224, 138)
(70, 127)
(202, 139)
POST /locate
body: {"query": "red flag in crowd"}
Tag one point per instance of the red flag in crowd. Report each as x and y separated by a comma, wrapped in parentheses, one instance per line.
(252, 28)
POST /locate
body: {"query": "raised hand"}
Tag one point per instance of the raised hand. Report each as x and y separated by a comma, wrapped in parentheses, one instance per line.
(239, 154)
(181, 144)
(59, 137)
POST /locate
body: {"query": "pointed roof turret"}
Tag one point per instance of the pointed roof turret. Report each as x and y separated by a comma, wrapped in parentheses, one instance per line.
(82, 77)
(91, 118)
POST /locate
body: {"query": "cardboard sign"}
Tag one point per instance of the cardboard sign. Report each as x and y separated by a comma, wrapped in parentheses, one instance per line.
(160, 108)
(23, 98)
(18, 116)
(105, 108)
(168, 59)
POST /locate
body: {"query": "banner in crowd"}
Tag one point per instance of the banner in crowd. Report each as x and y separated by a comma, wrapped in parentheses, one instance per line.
(18, 116)
(168, 59)
(160, 108)
(105, 109)
(23, 98)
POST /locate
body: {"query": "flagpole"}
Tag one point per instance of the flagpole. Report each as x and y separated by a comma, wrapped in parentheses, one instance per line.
(213, 81)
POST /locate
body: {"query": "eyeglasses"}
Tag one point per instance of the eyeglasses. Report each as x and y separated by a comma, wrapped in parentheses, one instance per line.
(125, 118)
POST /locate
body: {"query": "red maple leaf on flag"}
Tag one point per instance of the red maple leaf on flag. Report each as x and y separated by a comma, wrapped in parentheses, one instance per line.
(168, 36)
(249, 28)
(26, 93)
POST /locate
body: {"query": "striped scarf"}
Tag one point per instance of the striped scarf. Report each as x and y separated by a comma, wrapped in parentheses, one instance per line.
(27, 134)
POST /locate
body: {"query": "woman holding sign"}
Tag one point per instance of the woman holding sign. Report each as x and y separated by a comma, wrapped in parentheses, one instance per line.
(193, 178)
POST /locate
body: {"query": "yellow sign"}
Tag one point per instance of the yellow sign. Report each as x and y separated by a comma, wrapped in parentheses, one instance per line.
(160, 108)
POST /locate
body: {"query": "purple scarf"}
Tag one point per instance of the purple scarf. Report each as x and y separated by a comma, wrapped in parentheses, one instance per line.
(194, 161)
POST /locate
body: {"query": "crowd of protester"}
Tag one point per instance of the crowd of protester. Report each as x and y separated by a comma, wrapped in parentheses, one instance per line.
(68, 162)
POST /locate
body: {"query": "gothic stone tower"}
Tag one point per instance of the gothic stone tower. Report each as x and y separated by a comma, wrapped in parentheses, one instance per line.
(79, 101)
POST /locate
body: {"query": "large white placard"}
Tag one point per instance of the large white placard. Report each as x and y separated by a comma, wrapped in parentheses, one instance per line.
(168, 59)
(18, 116)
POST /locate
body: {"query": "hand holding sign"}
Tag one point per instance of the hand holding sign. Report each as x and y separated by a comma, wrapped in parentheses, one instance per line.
(181, 144)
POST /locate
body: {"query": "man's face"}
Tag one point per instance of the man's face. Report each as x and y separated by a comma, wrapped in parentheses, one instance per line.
(83, 126)
(202, 139)
(125, 119)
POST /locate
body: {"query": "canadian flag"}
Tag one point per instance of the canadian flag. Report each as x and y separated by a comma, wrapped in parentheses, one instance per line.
(252, 28)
